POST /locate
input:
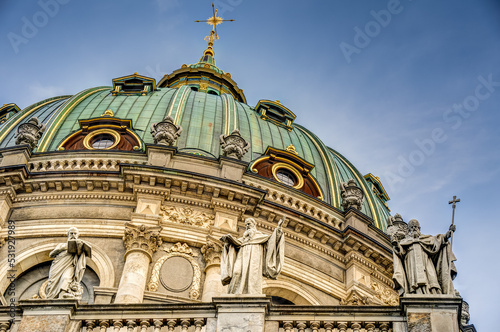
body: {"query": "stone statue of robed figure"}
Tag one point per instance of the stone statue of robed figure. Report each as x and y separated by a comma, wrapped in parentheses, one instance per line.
(68, 267)
(423, 264)
(245, 260)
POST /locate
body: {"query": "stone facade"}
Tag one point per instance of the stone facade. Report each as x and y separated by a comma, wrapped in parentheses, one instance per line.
(124, 216)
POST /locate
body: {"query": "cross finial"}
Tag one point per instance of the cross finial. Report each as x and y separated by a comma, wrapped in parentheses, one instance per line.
(454, 201)
(214, 21)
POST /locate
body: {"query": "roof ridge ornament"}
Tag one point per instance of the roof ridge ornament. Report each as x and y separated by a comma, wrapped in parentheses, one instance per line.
(213, 21)
(291, 148)
(108, 112)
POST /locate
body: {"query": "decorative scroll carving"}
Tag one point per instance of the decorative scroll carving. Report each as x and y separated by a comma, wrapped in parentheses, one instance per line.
(181, 250)
(352, 195)
(166, 131)
(212, 251)
(355, 298)
(465, 314)
(141, 237)
(384, 294)
(186, 216)
(234, 145)
(29, 133)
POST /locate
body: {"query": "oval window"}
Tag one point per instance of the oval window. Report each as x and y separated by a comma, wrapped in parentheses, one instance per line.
(286, 177)
(102, 141)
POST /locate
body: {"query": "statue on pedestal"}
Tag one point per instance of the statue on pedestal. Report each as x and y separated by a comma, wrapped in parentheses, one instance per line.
(68, 267)
(245, 260)
(423, 264)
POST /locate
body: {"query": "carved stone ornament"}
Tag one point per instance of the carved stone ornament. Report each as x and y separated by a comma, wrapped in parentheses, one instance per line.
(355, 298)
(465, 317)
(29, 133)
(166, 131)
(179, 250)
(141, 237)
(397, 229)
(352, 195)
(186, 216)
(384, 294)
(212, 252)
(233, 145)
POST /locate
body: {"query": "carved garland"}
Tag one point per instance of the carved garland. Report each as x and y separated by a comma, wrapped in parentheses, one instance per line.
(186, 216)
(384, 294)
(179, 250)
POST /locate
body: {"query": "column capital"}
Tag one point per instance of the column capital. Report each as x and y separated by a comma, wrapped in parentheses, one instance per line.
(212, 251)
(142, 238)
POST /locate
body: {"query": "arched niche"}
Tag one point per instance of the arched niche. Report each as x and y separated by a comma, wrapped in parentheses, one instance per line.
(289, 290)
(29, 282)
(38, 253)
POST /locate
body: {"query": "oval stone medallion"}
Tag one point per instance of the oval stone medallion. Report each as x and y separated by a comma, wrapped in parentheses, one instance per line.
(176, 274)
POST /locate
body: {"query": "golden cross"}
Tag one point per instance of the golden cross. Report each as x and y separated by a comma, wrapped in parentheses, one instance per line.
(214, 21)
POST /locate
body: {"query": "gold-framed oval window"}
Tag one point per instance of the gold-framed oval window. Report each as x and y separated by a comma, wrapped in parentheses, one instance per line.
(287, 175)
(102, 139)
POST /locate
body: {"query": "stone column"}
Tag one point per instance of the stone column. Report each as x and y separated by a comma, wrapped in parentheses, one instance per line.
(432, 313)
(213, 286)
(140, 242)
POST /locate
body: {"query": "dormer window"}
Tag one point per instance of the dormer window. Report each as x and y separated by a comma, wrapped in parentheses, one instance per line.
(133, 84)
(275, 112)
(103, 133)
(287, 168)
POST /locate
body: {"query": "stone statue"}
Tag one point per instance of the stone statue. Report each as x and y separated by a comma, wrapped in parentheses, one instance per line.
(234, 145)
(423, 264)
(352, 195)
(245, 260)
(166, 131)
(29, 133)
(68, 267)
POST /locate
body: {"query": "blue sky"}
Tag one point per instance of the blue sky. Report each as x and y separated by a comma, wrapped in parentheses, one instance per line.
(413, 98)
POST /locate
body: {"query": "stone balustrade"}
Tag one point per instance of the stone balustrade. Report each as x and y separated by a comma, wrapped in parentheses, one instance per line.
(144, 325)
(79, 164)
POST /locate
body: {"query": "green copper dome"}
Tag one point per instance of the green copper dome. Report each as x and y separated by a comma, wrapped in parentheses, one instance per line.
(203, 117)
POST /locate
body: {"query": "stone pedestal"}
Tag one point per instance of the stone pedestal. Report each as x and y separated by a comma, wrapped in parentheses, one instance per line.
(432, 313)
(141, 242)
(241, 312)
(232, 169)
(160, 155)
(48, 316)
(19, 155)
